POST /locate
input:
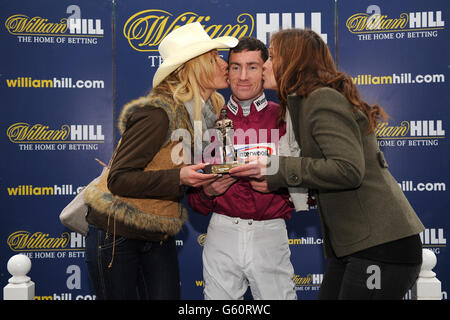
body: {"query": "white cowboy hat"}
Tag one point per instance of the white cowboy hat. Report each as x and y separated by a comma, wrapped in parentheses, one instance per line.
(184, 44)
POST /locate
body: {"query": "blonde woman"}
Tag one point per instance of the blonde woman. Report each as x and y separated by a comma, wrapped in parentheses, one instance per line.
(183, 95)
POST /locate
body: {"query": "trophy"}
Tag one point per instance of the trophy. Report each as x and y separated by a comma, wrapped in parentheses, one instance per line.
(229, 160)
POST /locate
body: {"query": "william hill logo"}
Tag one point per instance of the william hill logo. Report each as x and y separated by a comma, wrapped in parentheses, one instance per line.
(72, 29)
(376, 22)
(40, 245)
(310, 282)
(145, 29)
(413, 128)
(20, 24)
(22, 132)
(25, 241)
(413, 133)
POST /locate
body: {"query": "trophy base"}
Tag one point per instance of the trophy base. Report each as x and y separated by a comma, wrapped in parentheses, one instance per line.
(220, 168)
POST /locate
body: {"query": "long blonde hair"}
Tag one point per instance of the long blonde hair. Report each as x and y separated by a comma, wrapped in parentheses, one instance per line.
(187, 82)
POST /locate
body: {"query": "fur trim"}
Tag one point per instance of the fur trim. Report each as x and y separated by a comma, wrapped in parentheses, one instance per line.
(146, 215)
(128, 109)
(178, 116)
(130, 216)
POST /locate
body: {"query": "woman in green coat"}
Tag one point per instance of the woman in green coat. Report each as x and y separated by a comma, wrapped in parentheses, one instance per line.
(370, 231)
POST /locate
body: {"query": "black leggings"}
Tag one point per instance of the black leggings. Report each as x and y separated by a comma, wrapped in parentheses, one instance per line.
(351, 278)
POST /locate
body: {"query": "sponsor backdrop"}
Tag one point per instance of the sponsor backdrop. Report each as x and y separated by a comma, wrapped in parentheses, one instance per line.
(68, 67)
(398, 54)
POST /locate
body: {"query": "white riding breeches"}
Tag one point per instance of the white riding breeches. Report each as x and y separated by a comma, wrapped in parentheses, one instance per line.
(240, 252)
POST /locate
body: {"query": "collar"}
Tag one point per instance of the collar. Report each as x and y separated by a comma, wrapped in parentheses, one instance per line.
(259, 103)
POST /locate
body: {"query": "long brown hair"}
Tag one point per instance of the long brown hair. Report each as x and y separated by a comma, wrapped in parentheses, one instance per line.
(302, 63)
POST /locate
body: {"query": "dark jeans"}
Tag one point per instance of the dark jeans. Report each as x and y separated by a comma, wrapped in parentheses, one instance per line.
(360, 279)
(140, 269)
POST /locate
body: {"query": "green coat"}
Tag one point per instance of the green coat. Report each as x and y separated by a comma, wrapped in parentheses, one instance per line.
(360, 204)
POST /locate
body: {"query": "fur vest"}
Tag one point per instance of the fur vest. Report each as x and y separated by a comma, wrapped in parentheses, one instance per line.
(145, 219)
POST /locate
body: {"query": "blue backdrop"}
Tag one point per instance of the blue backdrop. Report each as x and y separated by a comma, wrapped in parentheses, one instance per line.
(67, 69)
(398, 54)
